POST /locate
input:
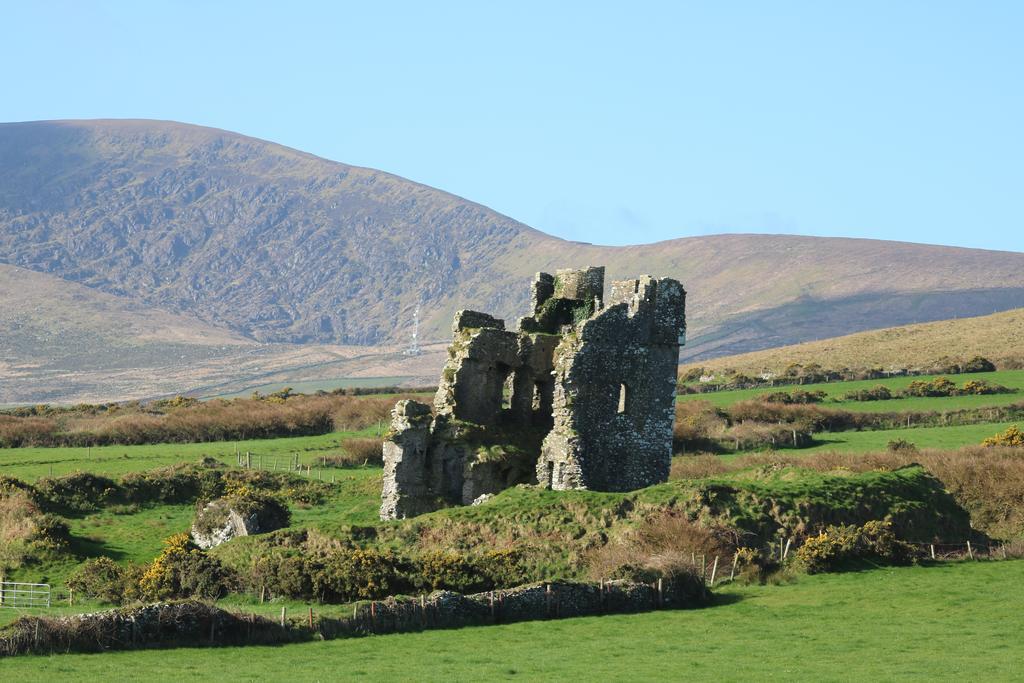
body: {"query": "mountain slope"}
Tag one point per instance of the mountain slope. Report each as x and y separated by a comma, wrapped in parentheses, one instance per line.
(282, 246)
(62, 342)
(998, 337)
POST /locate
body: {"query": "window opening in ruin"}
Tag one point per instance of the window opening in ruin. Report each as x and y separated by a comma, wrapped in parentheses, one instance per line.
(536, 396)
(551, 474)
(506, 392)
(623, 398)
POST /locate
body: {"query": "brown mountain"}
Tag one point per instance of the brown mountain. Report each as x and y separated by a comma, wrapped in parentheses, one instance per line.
(274, 245)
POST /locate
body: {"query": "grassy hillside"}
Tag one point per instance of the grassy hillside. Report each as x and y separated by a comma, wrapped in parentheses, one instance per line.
(280, 246)
(955, 621)
(996, 336)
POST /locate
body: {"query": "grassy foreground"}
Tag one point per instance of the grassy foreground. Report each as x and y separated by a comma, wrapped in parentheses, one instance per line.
(947, 622)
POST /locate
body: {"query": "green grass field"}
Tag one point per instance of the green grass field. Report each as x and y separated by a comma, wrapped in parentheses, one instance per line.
(923, 437)
(954, 621)
(30, 464)
(1013, 379)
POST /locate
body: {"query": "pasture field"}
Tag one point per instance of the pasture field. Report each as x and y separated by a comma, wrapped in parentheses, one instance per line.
(953, 621)
(30, 464)
(1013, 379)
(922, 437)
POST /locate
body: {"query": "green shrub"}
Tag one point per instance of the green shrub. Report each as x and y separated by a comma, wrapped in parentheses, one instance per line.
(940, 386)
(282, 575)
(878, 392)
(901, 446)
(797, 396)
(354, 574)
(103, 579)
(840, 546)
(182, 570)
(979, 387)
(978, 364)
(79, 492)
(449, 571)
(1012, 436)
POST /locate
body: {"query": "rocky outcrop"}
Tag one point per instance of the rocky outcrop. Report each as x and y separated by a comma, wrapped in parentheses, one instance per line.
(225, 518)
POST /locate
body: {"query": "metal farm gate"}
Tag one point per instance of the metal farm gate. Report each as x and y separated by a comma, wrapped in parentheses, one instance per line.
(21, 595)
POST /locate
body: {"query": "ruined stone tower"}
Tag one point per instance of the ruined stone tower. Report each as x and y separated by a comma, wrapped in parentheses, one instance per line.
(582, 396)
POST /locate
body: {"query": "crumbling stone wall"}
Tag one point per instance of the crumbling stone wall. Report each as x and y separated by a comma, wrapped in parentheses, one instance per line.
(614, 394)
(581, 396)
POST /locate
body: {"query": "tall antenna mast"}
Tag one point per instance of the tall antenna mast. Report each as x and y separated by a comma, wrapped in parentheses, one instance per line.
(414, 348)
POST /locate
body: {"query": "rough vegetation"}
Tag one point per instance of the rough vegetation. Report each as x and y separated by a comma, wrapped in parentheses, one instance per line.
(757, 424)
(27, 533)
(187, 421)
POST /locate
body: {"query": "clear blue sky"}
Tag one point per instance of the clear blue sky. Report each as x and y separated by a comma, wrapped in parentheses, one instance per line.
(608, 123)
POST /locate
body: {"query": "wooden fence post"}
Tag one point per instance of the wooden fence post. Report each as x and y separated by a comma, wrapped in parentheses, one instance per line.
(735, 560)
(547, 599)
(785, 553)
(970, 552)
(714, 570)
(661, 594)
(311, 618)
(931, 546)
(284, 614)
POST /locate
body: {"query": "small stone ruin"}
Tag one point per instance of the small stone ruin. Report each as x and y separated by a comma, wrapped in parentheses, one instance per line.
(223, 519)
(582, 396)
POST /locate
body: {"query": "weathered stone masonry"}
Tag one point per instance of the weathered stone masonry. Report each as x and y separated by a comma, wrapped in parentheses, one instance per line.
(582, 396)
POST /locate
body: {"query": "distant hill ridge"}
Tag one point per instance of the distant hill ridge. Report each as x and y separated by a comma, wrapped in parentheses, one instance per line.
(277, 245)
(998, 337)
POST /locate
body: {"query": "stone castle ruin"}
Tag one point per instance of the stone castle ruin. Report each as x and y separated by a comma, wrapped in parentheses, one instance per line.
(582, 396)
